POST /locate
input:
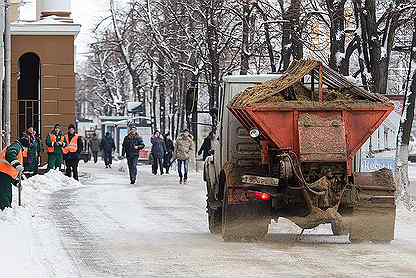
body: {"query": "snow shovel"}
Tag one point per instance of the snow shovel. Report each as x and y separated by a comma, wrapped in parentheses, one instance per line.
(19, 187)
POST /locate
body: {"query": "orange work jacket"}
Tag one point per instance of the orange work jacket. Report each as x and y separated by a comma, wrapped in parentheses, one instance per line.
(53, 140)
(6, 167)
(72, 146)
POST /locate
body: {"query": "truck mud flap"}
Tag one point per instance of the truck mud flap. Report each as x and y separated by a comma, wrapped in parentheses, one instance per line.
(244, 222)
(244, 219)
(373, 217)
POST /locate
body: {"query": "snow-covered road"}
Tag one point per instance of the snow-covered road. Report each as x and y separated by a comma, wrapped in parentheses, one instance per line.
(157, 228)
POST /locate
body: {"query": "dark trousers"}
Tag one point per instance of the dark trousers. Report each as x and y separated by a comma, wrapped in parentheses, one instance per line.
(72, 168)
(6, 183)
(185, 164)
(157, 164)
(166, 162)
(55, 161)
(95, 156)
(132, 163)
(108, 157)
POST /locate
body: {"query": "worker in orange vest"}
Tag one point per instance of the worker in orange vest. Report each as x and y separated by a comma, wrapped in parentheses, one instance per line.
(72, 152)
(11, 169)
(55, 143)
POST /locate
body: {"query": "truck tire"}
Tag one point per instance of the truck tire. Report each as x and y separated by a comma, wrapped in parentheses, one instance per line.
(214, 211)
(240, 222)
(374, 217)
(214, 220)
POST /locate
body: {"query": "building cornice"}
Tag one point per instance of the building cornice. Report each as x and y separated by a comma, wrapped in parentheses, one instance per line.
(44, 29)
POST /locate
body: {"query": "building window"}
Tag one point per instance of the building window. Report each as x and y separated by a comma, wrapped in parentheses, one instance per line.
(29, 93)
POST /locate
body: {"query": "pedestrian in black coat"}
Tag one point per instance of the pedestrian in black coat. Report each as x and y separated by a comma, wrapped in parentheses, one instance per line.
(158, 152)
(170, 148)
(206, 146)
(132, 145)
(107, 146)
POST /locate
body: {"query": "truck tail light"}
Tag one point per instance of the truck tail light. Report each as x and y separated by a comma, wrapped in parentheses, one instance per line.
(261, 196)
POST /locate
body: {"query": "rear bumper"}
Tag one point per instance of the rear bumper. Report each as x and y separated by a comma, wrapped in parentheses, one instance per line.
(240, 197)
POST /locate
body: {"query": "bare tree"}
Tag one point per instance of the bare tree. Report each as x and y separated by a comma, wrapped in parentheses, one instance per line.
(403, 137)
(378, 23)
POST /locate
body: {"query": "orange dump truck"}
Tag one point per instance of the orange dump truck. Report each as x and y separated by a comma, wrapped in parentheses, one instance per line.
(286, 148)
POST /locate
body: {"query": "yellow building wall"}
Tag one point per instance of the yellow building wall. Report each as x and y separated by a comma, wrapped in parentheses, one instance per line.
(57, 91)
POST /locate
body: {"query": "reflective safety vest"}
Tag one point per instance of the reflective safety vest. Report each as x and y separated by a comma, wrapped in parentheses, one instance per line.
(53, 140)
(6, 167)
(73, 145)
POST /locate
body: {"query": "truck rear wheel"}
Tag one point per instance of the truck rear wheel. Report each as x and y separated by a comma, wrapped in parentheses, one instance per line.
(373, 218)
(214, 220)
(214, 210)
(241, 222)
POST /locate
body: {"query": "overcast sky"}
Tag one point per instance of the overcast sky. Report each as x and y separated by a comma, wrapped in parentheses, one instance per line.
(85, 12)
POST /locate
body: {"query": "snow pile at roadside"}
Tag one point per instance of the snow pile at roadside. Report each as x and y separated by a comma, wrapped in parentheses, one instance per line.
(50, 182)
(18, 224)
(13, 216)
(17, 242)
(36, 188)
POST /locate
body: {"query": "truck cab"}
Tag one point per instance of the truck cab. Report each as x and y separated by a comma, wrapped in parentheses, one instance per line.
(233, 144)
(233, 141)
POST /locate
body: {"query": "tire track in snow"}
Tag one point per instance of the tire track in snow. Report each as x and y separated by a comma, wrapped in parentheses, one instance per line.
(81, 244)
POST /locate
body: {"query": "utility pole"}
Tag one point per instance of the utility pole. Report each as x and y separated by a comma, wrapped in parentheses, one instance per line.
(7, 75)
(2, 23)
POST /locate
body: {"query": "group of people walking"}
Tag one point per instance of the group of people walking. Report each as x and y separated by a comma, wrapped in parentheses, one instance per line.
(106, 145)
(24, 155)
(164, 152)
